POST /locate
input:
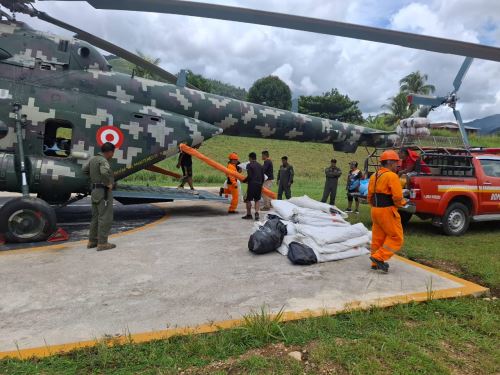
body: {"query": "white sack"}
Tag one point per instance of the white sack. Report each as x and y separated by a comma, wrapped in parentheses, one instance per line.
(337, 247)
(287, 240)
(332, 234)
(423, 132)
(306, 202)
(420, 122)
(284, 209)
(355, 252)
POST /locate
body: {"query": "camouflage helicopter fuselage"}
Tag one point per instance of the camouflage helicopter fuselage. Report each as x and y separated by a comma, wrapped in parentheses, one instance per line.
(68, 82)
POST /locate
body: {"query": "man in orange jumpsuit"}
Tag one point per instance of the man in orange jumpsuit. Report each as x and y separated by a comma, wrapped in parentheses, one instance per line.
(385, 195)
(232, 183)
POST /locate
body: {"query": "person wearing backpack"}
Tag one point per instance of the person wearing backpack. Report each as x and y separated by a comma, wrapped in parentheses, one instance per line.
(354, 178)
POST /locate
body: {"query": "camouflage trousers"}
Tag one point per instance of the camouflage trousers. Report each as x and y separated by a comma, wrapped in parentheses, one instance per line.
(102, 219)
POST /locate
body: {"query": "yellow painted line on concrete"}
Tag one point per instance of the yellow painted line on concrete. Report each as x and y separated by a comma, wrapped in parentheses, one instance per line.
(467, 289)
(70, 244)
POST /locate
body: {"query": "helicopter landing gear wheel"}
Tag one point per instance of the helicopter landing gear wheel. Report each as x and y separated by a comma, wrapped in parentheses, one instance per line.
(27, 220)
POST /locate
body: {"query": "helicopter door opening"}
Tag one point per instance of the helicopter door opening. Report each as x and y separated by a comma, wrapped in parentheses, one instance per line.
(57, 138)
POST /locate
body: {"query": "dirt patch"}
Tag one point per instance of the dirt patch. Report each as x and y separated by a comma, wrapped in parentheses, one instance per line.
(462, 361)
(278, 351)
(455, 269)
(231, 365)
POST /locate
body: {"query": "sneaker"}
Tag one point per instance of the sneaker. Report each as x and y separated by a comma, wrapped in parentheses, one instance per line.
(347, 210)
(381, 265)
(247, 217)
(257, 217)
(356, 212)
(106, 246)
(91, 245)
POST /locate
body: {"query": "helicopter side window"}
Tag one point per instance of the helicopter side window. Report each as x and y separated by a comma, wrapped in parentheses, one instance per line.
(57, 138)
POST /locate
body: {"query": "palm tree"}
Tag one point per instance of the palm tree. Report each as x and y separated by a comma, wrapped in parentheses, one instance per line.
(398, 106)
(415, 82)
(144, 73)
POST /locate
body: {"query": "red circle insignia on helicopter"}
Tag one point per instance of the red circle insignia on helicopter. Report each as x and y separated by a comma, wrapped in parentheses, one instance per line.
(111, 134)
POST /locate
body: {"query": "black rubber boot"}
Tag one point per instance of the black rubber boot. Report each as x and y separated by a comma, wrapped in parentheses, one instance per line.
(381, 265)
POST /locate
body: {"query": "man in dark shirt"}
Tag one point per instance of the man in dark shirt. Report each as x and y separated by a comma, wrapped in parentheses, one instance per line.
(285, 179)
(268, 177)
(186, 163)
(255, 180)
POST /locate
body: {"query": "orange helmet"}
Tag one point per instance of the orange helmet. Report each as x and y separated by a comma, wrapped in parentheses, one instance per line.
(233, 156)
(389, 155)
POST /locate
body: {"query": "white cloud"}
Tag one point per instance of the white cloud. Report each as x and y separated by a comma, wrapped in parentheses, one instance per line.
(312, 63)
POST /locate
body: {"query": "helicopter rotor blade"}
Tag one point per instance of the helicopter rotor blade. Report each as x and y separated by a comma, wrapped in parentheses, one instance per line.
(110, 47)
(315, 25)
(461, 126)
(462, 72)
(431, 101)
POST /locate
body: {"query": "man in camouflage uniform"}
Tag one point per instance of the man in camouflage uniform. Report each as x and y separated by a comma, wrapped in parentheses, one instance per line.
(101, 180)
(332, 174)
(285, 179)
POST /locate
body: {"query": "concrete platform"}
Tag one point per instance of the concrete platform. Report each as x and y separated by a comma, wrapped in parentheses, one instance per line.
(190, 269)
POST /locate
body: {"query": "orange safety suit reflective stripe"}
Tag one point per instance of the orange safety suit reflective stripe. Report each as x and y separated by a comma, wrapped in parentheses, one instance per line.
(387, 231)
(232, 188)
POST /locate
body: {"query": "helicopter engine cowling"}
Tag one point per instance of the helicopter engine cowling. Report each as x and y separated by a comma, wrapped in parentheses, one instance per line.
(53, 179)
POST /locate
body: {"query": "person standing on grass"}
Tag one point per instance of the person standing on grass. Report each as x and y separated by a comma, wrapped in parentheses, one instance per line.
(332, 174)
(269, 178)
(353, 182)
(255, 180)
(285, 179)
(185, 162)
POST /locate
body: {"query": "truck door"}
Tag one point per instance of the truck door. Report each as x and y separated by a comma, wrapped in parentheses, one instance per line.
(489, 184)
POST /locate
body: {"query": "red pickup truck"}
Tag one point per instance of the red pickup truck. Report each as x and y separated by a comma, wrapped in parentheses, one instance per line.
(464, 186)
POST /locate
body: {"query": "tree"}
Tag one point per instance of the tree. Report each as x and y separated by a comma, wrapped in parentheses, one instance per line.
(139, 71)
(331, 105)
(382, 121)
(198, 81)
(398, 107)
(271, 91)
(415, 82)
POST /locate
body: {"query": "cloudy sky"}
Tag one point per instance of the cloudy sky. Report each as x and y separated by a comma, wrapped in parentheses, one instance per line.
(312, 63)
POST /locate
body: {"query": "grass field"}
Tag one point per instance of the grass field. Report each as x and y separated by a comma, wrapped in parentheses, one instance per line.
(438, 337)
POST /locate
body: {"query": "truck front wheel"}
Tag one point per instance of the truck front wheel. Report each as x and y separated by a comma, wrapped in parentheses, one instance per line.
(456, 219)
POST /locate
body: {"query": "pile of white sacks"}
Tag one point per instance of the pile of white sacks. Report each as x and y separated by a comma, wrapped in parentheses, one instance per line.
(321, 227)
(414, 126)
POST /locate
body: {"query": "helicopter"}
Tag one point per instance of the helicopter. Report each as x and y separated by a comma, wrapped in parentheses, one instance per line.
(60, 101)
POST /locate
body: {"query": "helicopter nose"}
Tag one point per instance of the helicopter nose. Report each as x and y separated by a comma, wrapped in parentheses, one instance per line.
(200, 131)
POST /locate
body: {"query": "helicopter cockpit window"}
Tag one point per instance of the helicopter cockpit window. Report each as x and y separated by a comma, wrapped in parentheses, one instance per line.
(57, 138)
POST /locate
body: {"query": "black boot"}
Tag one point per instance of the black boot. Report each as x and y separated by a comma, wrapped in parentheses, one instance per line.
(381, 265)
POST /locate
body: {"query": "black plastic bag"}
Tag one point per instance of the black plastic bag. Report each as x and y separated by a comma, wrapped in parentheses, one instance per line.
(301, 254)
(268, 238)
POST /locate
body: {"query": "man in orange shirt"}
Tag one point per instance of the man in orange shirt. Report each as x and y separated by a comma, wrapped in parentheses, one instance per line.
(232, 183)
(385, 195)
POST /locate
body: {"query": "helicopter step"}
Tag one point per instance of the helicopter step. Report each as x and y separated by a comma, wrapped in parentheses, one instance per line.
(127, 194)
